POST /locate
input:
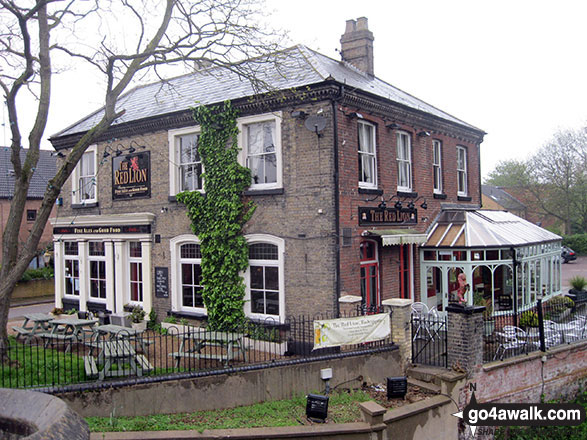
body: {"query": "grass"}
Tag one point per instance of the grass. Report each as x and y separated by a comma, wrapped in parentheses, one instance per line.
(35, 366)
(343, 408)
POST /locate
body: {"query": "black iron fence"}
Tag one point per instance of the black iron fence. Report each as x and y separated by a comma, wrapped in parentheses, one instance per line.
(547, 324)
(53, 361)
(429, 339)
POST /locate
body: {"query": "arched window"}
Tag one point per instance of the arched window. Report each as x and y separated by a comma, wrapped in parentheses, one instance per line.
(186, 275)
(265, 278)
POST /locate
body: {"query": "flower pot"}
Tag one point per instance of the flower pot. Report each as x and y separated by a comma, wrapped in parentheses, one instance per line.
(139, 326)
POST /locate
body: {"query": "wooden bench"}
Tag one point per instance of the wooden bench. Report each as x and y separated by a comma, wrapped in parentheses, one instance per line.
(91, 367)
(22, 331)
(143, 363)
(231, 345)
(48, 337)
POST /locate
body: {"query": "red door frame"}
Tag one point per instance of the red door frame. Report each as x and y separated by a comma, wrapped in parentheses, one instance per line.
(367, 264)
(404, 271)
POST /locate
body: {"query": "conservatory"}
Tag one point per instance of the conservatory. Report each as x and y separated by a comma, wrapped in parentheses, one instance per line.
(508, 263)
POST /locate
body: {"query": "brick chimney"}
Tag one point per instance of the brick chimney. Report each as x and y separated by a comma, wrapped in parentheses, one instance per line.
(357, 45)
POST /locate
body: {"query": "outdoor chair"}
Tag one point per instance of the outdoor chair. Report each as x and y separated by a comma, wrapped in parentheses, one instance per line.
(419, 318)
(434, 322)
(511, 338)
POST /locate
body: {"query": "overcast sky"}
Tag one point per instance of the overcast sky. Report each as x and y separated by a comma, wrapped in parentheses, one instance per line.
(516, 69)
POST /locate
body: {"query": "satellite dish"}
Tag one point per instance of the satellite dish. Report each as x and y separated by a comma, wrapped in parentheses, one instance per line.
(315, 123)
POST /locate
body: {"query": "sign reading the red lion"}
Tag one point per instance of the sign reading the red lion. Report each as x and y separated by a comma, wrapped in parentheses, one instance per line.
(131, 175)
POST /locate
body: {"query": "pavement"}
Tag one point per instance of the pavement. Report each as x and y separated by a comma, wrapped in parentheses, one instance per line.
(573, 269)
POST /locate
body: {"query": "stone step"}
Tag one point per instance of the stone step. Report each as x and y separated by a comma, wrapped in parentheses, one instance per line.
(426, 374)
(424, 385)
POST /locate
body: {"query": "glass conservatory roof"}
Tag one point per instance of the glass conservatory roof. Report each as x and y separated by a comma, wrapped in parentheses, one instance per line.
(484, 228)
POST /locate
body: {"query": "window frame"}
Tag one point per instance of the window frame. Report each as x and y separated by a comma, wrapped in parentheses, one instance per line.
(141, 281)
(402, 161)
(191, 261)
(462, 171)
(99, 259)
(279, 263)
(437, 166)
(242, 123)
(175, 245)
(173, 136)
(372, 156)
(74, 258)
(31, 215)
(76, 194)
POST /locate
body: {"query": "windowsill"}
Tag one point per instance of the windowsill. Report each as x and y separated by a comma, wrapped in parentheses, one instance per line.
(268, 322)
(411, 194)
(440, 196)
(84, 205)
(464, 198)
(264, 192)
(183, 314)
(373, 191)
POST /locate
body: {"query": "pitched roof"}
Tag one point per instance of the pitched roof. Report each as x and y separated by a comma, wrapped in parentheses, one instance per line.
(484, 228)
(45, 170)
(501, 196)
(296, 67)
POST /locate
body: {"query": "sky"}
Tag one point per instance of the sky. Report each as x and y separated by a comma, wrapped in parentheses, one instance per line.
(515, 69)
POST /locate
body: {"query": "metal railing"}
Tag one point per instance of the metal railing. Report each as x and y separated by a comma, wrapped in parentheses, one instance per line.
(542, 326)
(42, 363)
(429, 339)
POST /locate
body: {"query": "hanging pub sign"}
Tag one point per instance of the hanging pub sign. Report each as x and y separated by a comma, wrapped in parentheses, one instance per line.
(131, 175)
(387, 216)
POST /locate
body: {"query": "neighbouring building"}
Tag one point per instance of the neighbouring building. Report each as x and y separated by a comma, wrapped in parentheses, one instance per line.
(44, 171)
(350, 177)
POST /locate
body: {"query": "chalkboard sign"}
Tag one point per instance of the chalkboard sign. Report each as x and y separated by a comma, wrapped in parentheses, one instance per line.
(162, 282)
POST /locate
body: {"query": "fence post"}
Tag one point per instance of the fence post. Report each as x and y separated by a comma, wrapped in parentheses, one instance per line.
(401, 332)
(541, 325)
(465, 338)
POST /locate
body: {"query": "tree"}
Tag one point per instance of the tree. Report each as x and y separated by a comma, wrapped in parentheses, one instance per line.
(553, 181)
(509, 173)
(145, 36)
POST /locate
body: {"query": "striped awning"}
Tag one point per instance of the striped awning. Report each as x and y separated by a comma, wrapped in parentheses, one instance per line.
(396, 237)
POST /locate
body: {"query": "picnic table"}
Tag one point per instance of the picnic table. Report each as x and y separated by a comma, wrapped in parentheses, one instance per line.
(69, 329)
(39, 323)
(121, 353)
(119, 332)
(229, 344)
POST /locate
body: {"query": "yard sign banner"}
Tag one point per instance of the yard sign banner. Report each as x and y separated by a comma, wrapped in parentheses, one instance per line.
(347, 331)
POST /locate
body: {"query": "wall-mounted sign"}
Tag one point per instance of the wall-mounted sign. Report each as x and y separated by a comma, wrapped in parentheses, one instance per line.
(387, 216)
(131, 175)
(126, 229)
(162, 282)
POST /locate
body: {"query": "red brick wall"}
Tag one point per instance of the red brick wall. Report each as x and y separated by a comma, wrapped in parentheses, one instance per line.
(422, 183)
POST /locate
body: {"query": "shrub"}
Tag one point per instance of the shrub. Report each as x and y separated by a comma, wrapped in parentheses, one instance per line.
(529, 319)
(577, 242)
(137, 314)
(43, 273)
(152, 324)
(578, 282)
(171, 319)
(560, 303)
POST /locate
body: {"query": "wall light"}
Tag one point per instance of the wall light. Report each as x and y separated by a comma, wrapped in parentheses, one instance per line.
(424, 133)
(164, 209)
(299, 114)
(355, 115)
(392, 126)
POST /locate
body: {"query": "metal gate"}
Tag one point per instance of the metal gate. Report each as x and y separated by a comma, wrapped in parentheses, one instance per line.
(429, 340)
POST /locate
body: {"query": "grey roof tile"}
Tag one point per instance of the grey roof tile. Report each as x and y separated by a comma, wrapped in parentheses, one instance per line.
(45, 170)
(298, 66)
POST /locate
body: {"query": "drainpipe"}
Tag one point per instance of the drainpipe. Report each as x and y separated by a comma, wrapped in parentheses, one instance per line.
(336, 200)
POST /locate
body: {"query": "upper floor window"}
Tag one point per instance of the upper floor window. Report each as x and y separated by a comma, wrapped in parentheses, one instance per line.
(260, 141)
(367, 155)
(84, 178)
(461, 171)
(185, 165)
(404, 162)
(31, 215)
(437, 165)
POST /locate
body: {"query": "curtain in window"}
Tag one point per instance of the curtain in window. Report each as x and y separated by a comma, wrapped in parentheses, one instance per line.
(262, 158)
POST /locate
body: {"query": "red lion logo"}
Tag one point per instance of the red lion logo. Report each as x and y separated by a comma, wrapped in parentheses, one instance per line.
(134, 163)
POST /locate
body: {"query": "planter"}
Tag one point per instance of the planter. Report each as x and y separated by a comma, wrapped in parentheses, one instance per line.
(139, 326)
(176, 328)
(121, 319)
(265, 346)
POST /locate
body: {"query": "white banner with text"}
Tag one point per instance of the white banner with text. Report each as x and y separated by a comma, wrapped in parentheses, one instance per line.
(347, 331)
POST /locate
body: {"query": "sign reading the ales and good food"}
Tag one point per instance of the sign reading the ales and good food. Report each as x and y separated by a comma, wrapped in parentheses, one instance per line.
(131, 175)
(348, 331)
(387, 216)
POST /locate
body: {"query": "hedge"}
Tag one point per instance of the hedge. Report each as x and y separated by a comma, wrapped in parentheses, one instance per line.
(577, 242)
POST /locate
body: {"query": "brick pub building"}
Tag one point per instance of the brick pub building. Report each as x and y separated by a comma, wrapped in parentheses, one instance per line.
(350, 174)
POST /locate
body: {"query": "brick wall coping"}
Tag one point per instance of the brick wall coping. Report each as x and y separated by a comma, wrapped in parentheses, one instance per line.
(349, 299)
(465, 310)
(397, 302)
(405, 411)
(495, 365)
